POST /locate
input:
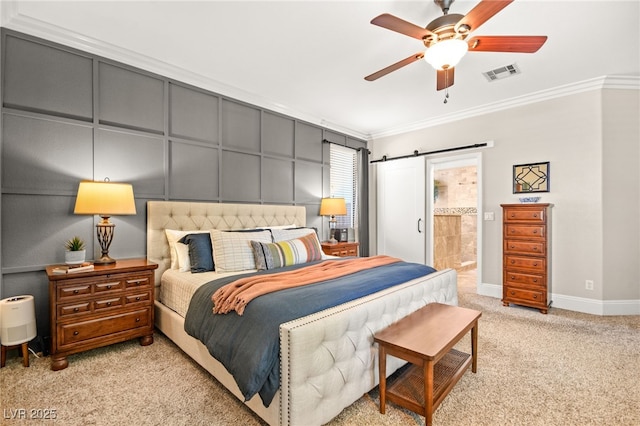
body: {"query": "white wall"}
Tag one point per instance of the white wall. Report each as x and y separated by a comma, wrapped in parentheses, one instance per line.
(568, 132)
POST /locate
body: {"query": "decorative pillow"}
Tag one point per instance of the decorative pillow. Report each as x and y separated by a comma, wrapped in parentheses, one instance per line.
(232, 250)
(200, 252)
(184, 262)
(285, 253)
(172, 238)
(291, 233)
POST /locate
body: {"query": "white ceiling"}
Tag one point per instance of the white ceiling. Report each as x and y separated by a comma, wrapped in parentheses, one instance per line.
(309, 58)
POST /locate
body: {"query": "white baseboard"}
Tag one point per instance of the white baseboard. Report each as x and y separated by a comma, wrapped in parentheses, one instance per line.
(577, 304)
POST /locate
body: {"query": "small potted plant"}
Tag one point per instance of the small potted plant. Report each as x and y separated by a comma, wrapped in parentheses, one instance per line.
(75, 252)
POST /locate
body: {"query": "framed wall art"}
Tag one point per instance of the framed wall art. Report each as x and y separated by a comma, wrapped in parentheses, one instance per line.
(529, 178)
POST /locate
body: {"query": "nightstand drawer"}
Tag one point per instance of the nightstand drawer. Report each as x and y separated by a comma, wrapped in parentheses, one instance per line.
(95, 328)
(73, 291)
(74, 309)
(139, 282)
(110, 303)
(137, 298)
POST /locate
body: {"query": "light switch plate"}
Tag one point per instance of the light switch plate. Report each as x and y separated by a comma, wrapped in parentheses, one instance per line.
(489, 216)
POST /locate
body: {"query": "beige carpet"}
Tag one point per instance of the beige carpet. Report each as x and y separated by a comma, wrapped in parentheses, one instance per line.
(563, 368)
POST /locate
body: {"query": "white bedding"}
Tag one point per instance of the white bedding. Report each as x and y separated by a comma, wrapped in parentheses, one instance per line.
(177, 287)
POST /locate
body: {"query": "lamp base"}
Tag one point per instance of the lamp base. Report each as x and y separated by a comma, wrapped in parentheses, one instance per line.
(104, 260)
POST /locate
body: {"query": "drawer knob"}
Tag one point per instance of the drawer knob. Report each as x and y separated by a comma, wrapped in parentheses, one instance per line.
(513, 293)
(535, 249)
(138, 298)
(108, 303)
(513, 261)
(109, 287)
(75, 333)
(76, 309)
(535, 296)
(535, 280)
(535, 263)
(76, 291)
(137, 319)
(535, 215)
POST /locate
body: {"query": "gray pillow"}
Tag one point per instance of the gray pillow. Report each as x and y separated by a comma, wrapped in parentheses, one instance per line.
(200, 252)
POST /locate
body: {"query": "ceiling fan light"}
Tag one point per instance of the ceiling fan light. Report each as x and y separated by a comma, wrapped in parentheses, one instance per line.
(446, 53)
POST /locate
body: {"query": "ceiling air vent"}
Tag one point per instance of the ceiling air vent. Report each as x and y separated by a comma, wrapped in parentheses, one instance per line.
(502, 72)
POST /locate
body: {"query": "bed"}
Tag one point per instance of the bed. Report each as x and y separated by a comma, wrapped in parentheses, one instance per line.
(327, 359)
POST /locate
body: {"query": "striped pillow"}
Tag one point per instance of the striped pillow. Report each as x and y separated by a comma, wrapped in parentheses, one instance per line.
(285, 253)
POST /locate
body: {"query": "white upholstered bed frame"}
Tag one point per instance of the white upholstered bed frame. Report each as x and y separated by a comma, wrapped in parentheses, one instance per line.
(327, 359)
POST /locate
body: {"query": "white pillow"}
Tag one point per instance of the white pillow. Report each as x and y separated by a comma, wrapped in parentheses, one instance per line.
(232, 250)
(184, 261)
(290, 234)
(173, 236)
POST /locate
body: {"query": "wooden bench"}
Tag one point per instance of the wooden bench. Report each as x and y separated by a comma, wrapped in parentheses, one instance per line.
(426, 339)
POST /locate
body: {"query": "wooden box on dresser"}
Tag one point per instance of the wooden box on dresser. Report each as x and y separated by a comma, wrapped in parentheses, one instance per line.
(107, 305)
(526, 260)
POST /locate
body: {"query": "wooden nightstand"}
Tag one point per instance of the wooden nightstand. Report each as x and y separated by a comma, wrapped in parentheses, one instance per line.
(340, 249)
(110, 304)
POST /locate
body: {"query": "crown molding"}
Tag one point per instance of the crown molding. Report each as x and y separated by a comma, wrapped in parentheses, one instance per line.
(11, 18)
(599, 83)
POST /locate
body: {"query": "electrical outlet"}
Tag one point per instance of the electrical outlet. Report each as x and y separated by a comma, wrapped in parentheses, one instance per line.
(588, 284)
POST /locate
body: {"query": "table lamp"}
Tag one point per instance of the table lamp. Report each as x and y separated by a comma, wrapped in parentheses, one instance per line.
(332, 207)
(105, 199)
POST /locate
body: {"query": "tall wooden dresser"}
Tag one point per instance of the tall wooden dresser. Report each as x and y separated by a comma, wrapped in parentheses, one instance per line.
(526, 260)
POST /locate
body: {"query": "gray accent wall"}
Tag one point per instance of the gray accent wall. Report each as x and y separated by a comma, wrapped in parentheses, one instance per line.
(68, 116)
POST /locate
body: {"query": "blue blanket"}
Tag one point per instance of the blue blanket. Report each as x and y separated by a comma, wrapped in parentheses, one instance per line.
(249, 345)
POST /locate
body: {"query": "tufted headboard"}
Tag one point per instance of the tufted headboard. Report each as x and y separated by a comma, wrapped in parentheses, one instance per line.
(179, 215)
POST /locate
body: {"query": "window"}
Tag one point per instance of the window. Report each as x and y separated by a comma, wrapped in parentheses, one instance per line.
(343, 181)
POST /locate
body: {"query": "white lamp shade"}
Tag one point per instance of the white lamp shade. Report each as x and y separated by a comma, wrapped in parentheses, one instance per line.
(333, 207)
(17, 320)
(446, 53)
(105, 199)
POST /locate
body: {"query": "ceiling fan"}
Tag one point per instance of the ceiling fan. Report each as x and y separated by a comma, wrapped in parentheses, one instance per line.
(446, 39)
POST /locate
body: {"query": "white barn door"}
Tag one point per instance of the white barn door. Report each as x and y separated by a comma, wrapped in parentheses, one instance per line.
(401, 209)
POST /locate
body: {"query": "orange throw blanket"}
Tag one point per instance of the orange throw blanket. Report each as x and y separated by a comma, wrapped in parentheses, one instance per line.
(236, 295)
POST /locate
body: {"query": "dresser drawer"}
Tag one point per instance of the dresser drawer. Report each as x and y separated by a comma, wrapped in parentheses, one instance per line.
(137, 298)
(527, 214)
(70, 291)
(534, 264)
(104, 326)
(524, 231)
(141, 281)
(74, 309)
(516, 295)
(108, 303)
(519, 278)
(525, 247)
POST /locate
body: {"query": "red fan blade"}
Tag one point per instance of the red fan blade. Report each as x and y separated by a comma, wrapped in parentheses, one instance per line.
(397, 65)
(518, 44)
(401, 26)
(444, 79)
(482, 13)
